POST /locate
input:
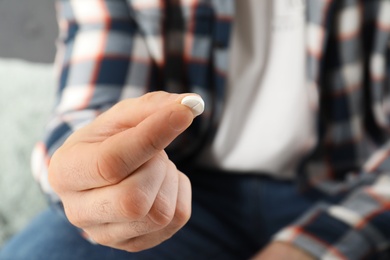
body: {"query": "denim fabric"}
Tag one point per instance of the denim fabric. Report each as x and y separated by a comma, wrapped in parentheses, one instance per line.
(233, 217)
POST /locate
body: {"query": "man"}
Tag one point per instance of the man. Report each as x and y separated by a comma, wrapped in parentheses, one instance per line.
(285, 162)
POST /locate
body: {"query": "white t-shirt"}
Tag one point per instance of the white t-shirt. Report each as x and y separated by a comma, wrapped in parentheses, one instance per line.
(268, 123)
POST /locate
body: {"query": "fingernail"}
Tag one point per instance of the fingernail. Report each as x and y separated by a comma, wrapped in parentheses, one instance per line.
(196, 104)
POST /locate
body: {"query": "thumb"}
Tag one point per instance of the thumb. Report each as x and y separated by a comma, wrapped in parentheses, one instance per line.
(124, 152)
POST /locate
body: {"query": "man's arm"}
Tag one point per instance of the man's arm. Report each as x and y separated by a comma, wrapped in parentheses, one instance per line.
(98, 43)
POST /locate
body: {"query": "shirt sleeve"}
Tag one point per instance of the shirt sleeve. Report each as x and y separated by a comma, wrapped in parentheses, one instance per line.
(356, 228)
(96, 47)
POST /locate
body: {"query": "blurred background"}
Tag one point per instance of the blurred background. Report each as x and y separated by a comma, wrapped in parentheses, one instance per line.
(28, 31)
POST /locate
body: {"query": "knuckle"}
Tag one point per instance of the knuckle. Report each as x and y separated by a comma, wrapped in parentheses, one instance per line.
(108, 166)
(151, 144)
(162, 212)
(182, 215)
(183, 209)
(134, 204)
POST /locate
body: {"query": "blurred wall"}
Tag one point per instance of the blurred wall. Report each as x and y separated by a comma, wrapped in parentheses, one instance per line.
(28, 30)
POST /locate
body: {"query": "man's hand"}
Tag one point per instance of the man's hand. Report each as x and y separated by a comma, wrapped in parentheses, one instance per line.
(282, 251)
(115, 180)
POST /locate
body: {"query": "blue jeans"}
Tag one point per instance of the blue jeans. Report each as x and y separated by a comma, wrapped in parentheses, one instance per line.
(233, 217)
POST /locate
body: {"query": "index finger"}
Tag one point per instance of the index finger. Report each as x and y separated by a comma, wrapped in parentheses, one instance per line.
(123, 153)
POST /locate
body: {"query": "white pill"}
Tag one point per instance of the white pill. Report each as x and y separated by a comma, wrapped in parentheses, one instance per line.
(196, 104)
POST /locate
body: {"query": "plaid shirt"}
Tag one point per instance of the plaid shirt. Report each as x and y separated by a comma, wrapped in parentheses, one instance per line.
(109, 50)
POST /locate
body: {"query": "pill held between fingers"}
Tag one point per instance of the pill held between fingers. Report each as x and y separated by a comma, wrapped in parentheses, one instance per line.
(196, 104)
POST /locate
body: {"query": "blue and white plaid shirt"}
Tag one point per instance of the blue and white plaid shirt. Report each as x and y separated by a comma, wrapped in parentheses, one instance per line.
(109, 50)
